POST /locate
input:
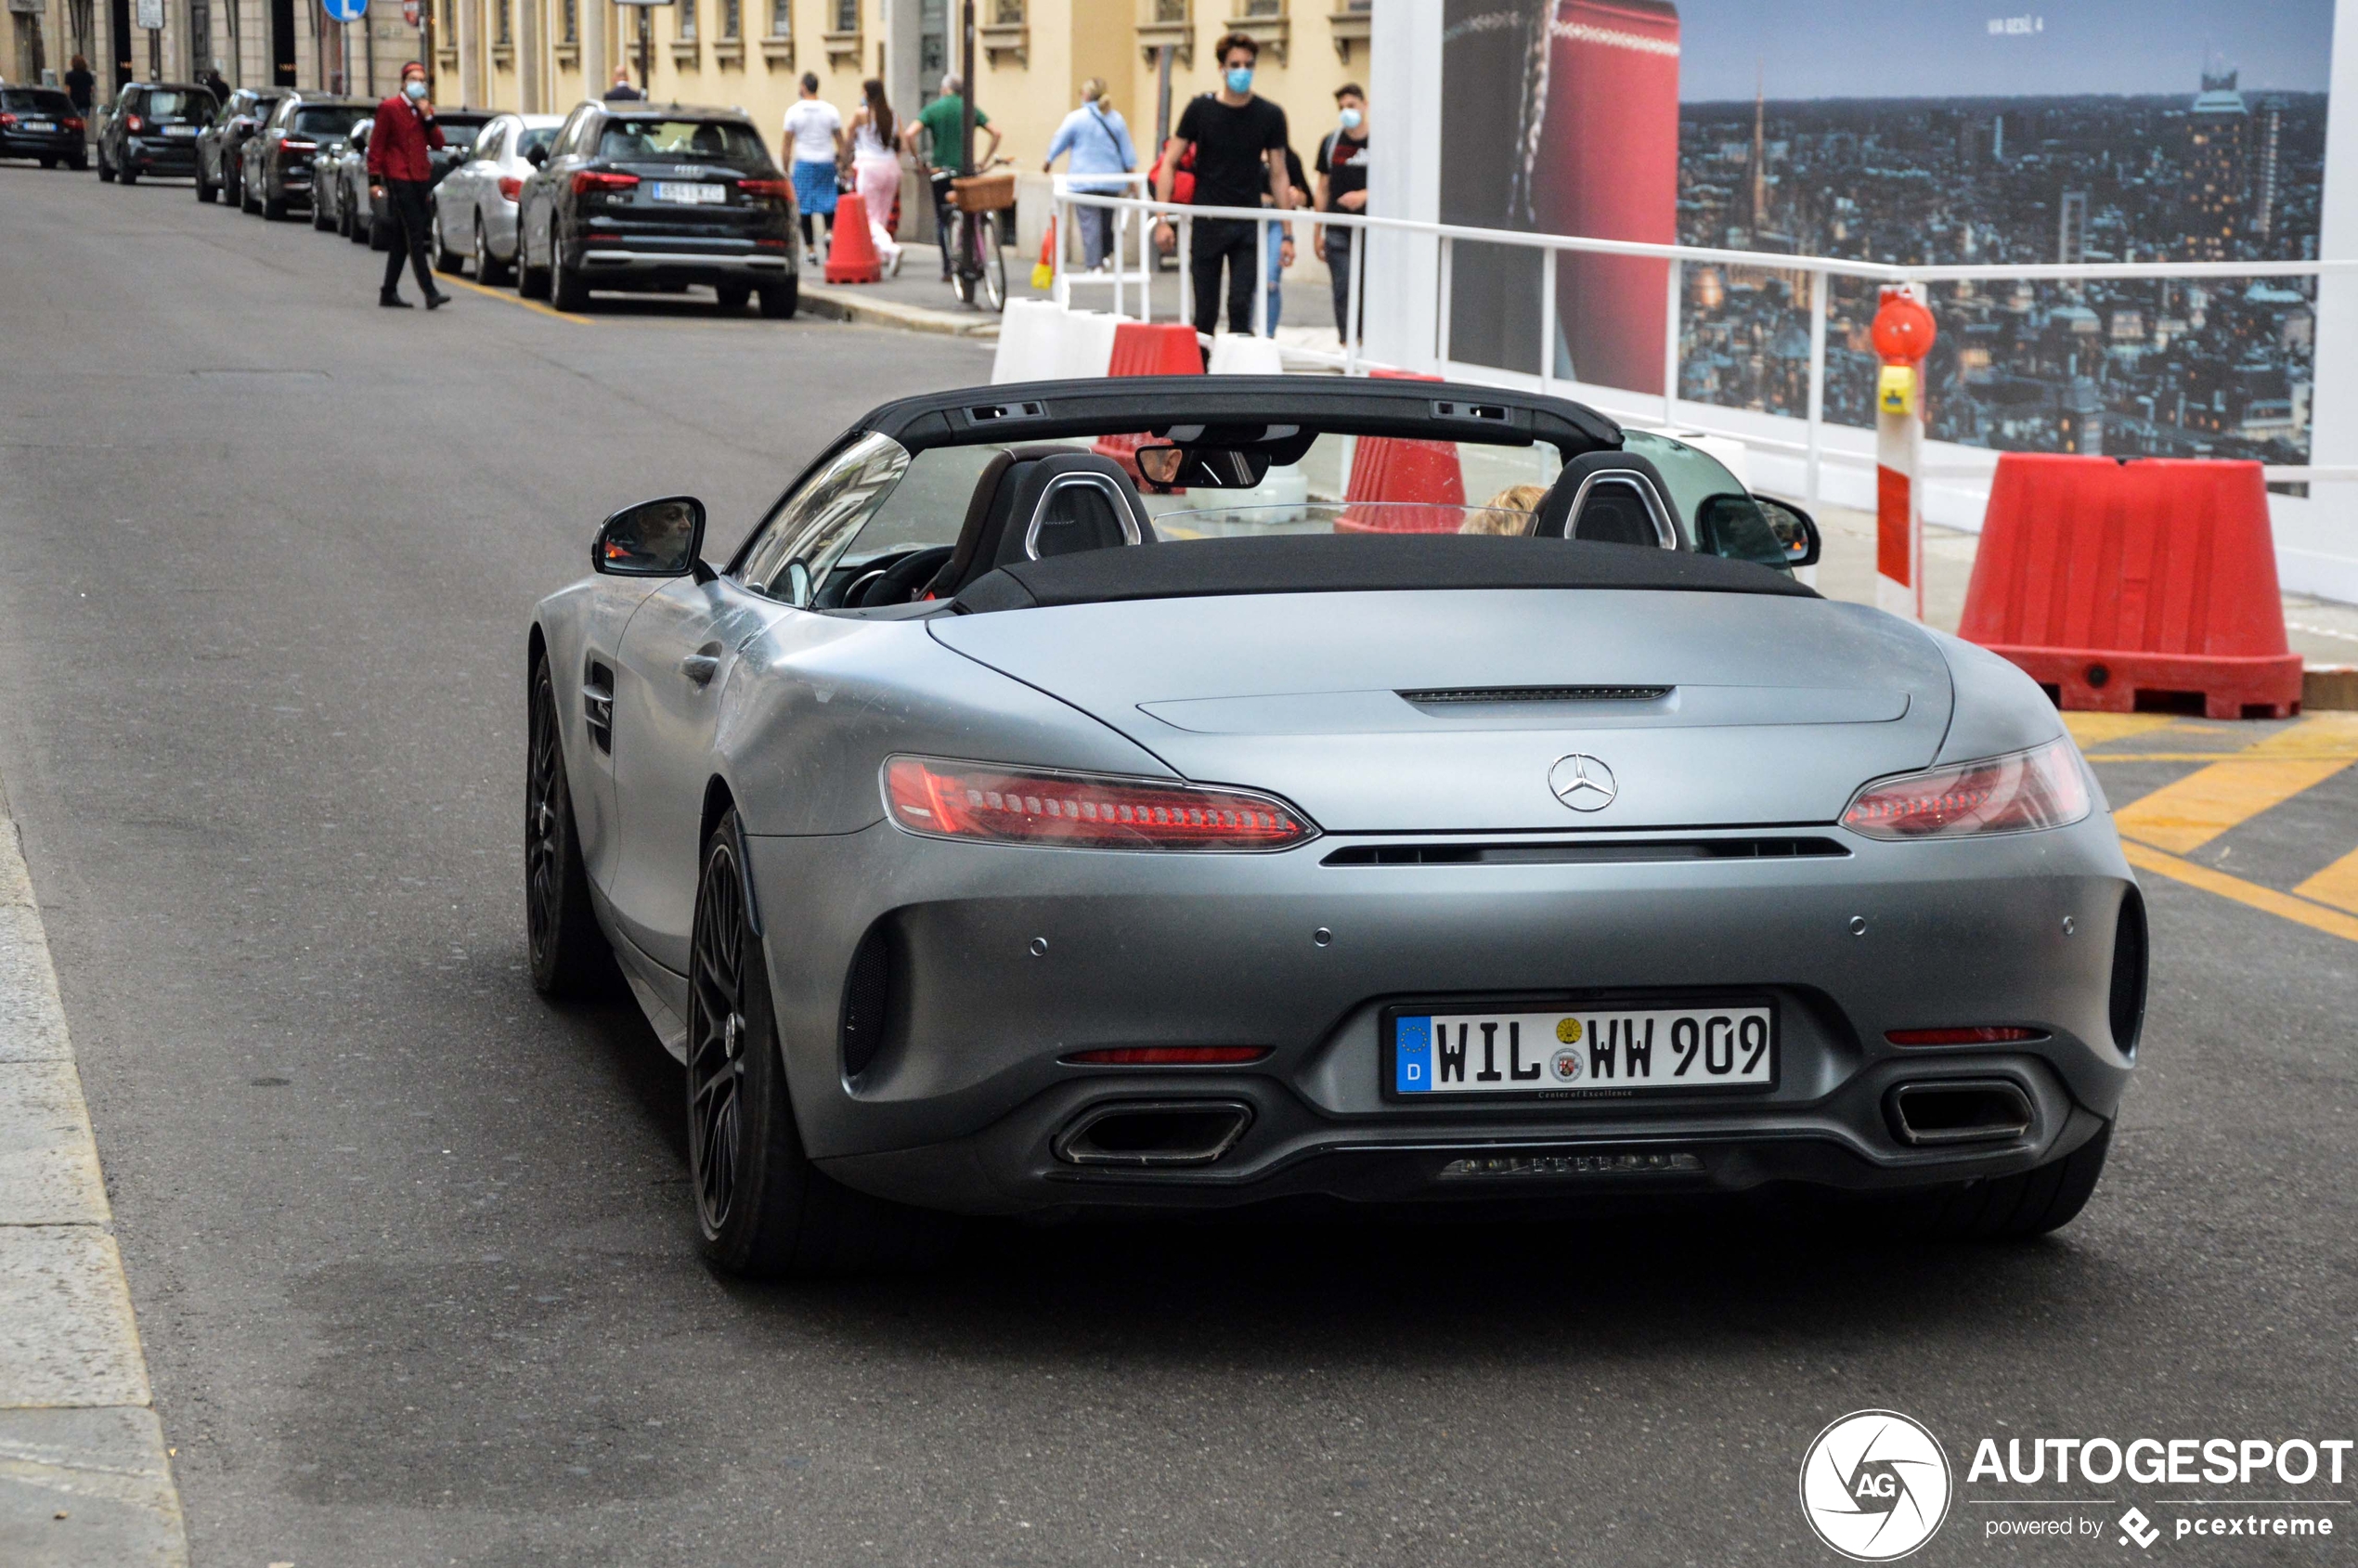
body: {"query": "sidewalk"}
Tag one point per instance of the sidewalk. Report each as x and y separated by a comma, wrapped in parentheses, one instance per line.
(84, 1478)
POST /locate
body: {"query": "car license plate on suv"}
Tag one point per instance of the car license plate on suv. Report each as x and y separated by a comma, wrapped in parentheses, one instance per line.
(39, 124)
(1579, 1050)
(690, 194)
(179, 130)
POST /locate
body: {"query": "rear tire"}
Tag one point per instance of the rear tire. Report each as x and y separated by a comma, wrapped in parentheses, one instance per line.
(381, 234)
(532, 283)
(570, 290)
(994, 265)
(2019, 1207)
(126, 176)
(732, 296)
(246, 203)
(444, 259)
(489, 270)
(569, 955)
(779, 299)
(208, 194)
(49, 162)
(763, 1209)
(106, 170)
(319, 219)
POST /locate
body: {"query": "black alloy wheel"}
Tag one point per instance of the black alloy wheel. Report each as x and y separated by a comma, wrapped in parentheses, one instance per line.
(763, 1209)
(569, 956)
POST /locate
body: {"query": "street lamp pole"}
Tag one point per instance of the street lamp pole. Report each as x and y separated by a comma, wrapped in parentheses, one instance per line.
(966, 103)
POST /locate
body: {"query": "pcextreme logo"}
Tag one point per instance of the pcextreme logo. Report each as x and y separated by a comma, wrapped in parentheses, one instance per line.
(1874, 1485)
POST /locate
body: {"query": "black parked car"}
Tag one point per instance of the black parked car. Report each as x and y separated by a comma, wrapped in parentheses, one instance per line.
(655, 196)
(41, 123)
(153, 129)
(218, 145)
(275, 165)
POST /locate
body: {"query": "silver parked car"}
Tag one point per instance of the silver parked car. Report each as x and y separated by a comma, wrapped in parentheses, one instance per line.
(1011, 826)
(474, 207)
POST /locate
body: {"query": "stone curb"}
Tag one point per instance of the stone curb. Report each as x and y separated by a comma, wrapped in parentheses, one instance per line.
(86, 1481)
(845, 302)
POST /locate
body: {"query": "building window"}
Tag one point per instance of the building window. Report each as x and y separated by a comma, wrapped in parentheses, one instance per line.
(1264, 7)
(1007, 13)
(449, 24)
(731, 17)
(1171, 11)
(573, 21)
(507, 22)
(847, 16)
(687, 9)
(780, 18)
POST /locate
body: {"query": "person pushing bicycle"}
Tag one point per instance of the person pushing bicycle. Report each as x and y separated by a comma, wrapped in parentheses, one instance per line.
(944, 120)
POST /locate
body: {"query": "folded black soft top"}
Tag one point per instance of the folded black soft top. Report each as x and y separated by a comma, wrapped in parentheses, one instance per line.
(1359, 564)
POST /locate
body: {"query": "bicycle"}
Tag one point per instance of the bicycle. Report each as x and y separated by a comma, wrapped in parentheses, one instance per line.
(978, 236)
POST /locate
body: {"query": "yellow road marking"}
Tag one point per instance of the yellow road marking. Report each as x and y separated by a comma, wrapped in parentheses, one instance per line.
(2336, 884)
(2219, 756)
(2251, 893)
(2193, 810)
(2102, 729)
(510, 297)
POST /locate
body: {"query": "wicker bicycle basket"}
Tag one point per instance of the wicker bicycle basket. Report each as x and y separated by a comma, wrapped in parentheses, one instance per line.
(984, 193)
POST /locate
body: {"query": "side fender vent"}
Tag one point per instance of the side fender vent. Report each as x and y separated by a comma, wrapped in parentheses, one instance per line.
(597, 705)
(2129, 962)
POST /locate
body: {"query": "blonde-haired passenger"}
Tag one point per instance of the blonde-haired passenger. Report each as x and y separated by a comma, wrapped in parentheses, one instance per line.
(1511, 511)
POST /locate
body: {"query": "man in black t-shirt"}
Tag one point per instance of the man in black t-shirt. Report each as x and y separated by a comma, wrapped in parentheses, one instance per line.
(1232, 134)
(1342, 187)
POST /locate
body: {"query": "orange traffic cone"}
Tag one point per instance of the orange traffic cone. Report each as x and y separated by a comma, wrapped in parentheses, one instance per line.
(852, 254)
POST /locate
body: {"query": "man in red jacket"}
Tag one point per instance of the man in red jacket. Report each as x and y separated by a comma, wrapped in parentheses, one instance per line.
(399, 172)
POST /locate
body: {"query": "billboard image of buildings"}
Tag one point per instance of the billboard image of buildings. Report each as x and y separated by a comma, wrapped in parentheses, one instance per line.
(2165, 130)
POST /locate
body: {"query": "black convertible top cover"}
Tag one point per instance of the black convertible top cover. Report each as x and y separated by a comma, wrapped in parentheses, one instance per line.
(1378, 562)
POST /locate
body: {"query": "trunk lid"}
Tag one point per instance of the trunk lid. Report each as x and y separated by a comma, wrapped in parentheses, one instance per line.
(1447, 710)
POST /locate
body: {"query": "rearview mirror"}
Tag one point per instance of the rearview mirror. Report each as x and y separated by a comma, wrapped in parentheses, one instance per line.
(1795, 531)
(1210, 467)
(659, 538)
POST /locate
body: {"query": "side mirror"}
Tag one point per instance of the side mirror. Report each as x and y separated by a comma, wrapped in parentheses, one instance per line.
(1795, 531)
(659, 538)
(798, 584)
(537, 156)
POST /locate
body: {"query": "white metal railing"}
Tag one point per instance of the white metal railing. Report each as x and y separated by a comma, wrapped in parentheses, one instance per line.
(1135, 217)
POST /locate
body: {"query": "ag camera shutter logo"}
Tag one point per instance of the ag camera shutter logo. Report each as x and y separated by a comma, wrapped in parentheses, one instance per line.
(1876, 1486)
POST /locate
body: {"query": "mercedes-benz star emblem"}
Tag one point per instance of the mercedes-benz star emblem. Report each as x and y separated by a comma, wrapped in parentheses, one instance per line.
(1582, 783)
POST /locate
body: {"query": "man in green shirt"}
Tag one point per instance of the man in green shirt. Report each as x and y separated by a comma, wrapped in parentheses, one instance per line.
(945, 120)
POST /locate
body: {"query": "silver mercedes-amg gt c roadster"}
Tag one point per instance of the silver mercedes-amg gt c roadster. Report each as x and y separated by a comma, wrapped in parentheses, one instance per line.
(1181, 793)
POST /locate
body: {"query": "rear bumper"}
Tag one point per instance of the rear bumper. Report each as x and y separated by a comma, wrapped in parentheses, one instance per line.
(969, 1100)
(58, 143)
(154, 157)
(665, 266)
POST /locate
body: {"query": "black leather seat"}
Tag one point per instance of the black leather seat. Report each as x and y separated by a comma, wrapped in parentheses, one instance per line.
(1078, 500)
(1615, 513)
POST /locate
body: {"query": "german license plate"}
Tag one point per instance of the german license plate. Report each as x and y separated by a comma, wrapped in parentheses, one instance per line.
(179, 130)
(41, 124)
(690, 194)
(1579, 1050)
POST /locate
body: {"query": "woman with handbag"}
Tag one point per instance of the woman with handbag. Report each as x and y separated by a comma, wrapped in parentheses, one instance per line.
(1101, 150)
(875, 169)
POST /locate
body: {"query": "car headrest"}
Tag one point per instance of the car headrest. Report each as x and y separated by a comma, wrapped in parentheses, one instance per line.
(1614, 511)
(1078, 500)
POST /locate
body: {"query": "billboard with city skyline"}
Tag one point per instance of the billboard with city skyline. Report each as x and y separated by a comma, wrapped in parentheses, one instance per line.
(2095, 129)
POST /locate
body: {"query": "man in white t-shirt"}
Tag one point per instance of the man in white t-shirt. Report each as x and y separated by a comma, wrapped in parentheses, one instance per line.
(815, 129)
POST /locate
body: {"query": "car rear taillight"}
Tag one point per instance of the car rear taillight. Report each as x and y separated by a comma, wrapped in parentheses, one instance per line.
(2027, 790)
(590, 180)
(1168, 1055)
(133, 123)
(72, 124)
(1975, 1035)
(298, 147)
(990, 803)
(779, 188)
(7, 121)
(511, 188)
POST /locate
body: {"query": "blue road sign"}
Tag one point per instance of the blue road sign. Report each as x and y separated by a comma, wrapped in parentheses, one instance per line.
(344, 10)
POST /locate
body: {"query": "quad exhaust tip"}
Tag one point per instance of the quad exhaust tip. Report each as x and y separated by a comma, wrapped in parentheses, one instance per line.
(1154, 1133)
(1960, 1111)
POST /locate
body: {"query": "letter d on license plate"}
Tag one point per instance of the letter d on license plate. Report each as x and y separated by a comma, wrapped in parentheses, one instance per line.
(1578, 1050)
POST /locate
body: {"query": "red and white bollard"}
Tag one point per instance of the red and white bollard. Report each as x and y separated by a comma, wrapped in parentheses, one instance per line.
(1903, 334)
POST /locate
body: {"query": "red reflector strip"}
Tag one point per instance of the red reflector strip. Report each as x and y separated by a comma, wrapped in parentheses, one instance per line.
(1170, 1056)
(1979, 1034)
(977, 800)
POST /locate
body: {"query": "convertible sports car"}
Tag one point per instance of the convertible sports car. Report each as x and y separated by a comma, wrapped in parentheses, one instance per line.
(1014, 826)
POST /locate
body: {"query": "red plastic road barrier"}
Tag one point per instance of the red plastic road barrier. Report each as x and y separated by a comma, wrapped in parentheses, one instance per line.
(852, 254)
(2141, 587)
(1148, 348)
(1401, 487)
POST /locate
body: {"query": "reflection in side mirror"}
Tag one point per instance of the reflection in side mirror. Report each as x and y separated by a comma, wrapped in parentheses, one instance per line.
(1209, 468)
(537, 156)
(1795, 531)
(659, 538)
(798, 584)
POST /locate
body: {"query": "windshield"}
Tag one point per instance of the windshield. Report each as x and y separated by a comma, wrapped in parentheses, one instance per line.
(458, 136)
(715, 141)
(329, 120)
(541, 137)
(18, 101)
(166, 103)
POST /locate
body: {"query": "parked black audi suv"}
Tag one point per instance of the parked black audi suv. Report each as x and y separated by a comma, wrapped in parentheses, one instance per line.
(276, 163)
(153, 129)
(41, 123)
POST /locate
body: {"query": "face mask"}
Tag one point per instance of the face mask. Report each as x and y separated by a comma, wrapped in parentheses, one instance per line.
(1350, 119)
(1240, 79)
(414, 89)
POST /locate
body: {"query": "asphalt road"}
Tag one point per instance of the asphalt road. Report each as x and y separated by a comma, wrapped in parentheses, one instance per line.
(413, 1253)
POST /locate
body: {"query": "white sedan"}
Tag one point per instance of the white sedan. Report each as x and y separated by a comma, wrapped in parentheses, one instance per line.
(474, 207)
